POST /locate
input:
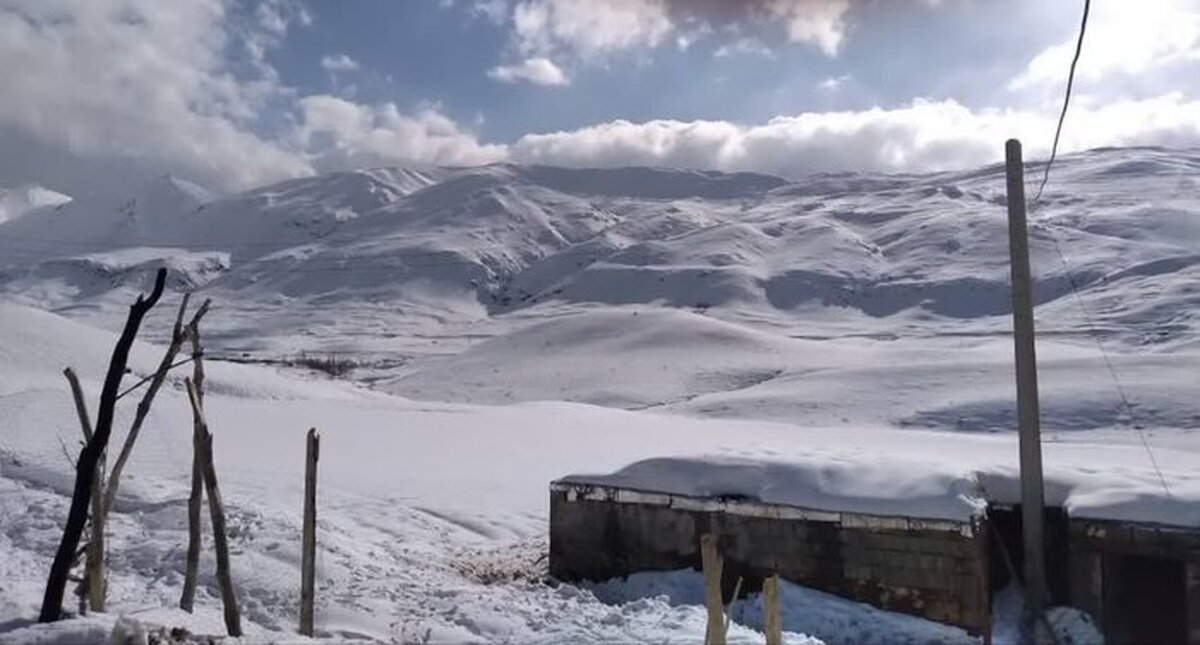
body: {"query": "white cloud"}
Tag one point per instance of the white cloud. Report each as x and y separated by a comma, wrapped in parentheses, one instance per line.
(1123, 38)
(338, 63)
(146, 81)
(341, 134)
(538, 70)
(589, 27)
(834, 83)
(744, 46)
(926, 135)
(815, 22)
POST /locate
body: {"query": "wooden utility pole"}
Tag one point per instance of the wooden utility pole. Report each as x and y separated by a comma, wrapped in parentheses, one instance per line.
(309, 555)
(1028, 416)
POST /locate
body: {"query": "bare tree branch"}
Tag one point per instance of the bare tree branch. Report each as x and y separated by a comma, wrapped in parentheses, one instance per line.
(150, 378)
(85, 420)
(178, 336)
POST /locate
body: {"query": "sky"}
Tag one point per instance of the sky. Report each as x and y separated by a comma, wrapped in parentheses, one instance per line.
(101, 95)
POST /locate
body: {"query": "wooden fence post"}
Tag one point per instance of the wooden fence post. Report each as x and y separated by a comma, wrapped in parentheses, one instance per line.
(773, 624)
(309, 555)
(93, 569)
(712, 562)
(196, 497)
(203, 440)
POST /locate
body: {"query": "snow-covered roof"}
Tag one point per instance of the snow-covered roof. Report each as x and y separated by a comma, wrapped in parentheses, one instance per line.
(956, 487)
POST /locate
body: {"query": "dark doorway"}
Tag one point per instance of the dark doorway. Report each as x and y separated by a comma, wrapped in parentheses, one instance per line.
(1146, 599)
(1007, 551)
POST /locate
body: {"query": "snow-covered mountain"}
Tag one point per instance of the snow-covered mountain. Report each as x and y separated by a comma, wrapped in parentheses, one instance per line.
(19, 200)
(402, 266)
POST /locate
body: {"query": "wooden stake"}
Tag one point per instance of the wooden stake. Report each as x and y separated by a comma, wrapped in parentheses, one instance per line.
(196, 497)
(203, 442)
(1032, 496)
(773, 624)
(93, 568)
(712, 562)
(309, 554)
(89, 458)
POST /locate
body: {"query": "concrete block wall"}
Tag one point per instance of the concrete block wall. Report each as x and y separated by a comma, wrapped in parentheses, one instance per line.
(934, 569)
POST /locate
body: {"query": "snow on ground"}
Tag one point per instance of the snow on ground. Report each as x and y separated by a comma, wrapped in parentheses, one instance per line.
(427, 510)
(843, 334)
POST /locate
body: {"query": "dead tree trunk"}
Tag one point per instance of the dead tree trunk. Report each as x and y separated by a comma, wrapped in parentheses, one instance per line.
(203, 441)
(93, 569)
(89, 457)
(196, 498)
(309, 555)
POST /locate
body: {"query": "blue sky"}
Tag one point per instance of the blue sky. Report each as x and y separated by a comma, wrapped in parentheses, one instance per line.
(236, 93)
(423, 51)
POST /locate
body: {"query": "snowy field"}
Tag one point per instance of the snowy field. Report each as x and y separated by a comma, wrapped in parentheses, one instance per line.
(844, 334)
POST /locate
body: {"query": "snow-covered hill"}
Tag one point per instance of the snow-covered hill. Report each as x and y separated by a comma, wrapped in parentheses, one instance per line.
(405, 270)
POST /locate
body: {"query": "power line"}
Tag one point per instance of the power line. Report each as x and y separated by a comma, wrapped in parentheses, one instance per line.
(1087, 5)
(1075, 291)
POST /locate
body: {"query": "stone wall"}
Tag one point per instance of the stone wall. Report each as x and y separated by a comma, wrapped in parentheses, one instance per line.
(934, 569)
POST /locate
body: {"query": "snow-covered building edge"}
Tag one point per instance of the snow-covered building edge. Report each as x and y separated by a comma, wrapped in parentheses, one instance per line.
(1138, 580)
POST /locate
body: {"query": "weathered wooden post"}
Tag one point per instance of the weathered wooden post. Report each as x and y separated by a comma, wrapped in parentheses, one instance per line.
(772, 624)
(94, 565)
(309, 555)
(712, 563)
(196, 497)
(203, 441)
(1028, 416)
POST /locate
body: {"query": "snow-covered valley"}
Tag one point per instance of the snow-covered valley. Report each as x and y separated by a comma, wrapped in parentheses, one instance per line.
(506, 325)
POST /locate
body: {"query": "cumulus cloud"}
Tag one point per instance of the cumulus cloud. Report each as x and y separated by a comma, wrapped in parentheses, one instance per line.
(589, 27)
(338, 63)
(594, 29)
(816, 22)
(123, 89)
(926, 135)
(144, 80)
(1123, 38)
(341, 134)
(539, 71)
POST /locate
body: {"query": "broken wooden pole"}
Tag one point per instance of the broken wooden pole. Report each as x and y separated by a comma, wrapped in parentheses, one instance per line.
(309, 555)
(712, 562)
(1028, 416)
(203, 442)
(89, 458)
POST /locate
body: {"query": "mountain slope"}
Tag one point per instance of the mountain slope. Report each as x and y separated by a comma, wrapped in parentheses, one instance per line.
(396, 266)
